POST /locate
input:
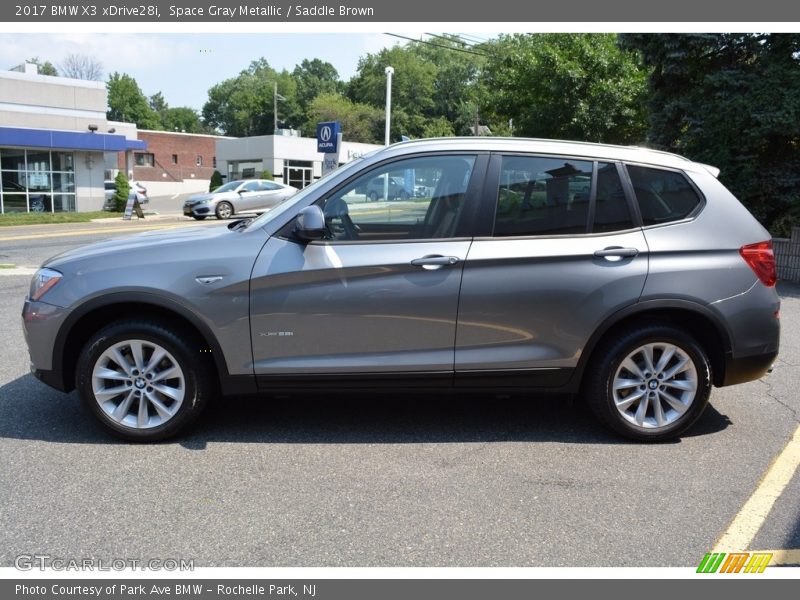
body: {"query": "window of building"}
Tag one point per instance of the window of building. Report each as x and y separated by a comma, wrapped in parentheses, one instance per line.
(36, 181)
(663, 196)
(542, 196)
(214, 162)
(383, 204)
(199, 161)
(174, 159)
(143, 159)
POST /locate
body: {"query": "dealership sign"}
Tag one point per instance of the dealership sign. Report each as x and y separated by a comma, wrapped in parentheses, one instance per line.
(328, 137)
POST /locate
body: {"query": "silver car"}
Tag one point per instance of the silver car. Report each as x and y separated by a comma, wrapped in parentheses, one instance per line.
(631, 276)
(241, 196)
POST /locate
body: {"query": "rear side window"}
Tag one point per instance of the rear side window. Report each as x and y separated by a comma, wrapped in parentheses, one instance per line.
(540, 196)
(663, 196)
(611, 211)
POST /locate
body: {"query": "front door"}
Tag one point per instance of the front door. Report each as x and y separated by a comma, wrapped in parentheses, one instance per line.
(380, 293)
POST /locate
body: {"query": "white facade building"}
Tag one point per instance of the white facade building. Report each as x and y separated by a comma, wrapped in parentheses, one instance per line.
(290, 159)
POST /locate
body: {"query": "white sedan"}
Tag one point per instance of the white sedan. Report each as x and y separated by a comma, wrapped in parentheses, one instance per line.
(242, 196)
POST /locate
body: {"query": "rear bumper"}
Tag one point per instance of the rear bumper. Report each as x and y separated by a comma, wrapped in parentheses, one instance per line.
(748, 368)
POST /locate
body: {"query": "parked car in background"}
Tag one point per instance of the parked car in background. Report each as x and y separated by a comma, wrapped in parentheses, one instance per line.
(135, 188)
(397, 189)
(631, 276)
(240, 196)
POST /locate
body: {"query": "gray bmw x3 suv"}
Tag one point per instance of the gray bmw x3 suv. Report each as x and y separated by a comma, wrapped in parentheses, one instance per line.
(631, 276)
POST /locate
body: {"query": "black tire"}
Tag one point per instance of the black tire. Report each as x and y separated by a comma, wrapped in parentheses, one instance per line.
(403, 195)
(373, 196)
(199, 217)
(199, 384)
(607, 360)
(224, 210)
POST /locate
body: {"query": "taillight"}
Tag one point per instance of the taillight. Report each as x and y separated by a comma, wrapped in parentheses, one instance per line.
(761, 259)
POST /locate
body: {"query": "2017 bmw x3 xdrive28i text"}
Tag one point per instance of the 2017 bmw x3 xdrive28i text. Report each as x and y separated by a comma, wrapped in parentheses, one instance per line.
(629, 275)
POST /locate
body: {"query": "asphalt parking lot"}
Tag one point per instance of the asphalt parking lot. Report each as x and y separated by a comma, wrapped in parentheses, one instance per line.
(385, 481)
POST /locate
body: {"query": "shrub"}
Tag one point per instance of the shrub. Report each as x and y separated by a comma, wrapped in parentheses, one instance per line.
(267, 174)
(123, 191)
(216, 181)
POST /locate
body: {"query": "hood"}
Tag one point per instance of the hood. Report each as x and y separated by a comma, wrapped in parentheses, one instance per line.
(202, 197)
(150, 243)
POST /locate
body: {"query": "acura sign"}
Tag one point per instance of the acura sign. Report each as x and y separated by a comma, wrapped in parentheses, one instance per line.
(328, 137)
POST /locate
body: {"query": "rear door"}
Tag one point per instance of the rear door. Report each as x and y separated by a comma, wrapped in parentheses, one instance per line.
(380, 293)
(562, 251)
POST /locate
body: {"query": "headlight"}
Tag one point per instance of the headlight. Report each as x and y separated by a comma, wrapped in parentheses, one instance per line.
(42, 281)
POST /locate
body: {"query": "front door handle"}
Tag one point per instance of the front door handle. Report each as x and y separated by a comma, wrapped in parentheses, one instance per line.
(434, 261)
(616, 252)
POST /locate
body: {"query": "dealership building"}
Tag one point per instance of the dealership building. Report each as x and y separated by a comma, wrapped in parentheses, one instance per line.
(54, 139)
(57, 148)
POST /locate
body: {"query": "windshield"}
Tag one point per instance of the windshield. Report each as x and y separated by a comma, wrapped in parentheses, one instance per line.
(286, 206)
(228, 187)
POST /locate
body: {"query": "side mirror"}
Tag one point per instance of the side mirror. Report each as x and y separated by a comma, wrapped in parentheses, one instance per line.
(310, 224)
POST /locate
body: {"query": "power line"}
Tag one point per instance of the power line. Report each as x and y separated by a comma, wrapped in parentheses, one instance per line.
(453, 38)
(429, 43)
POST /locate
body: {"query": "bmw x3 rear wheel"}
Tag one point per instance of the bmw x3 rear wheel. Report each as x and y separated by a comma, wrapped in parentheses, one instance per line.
(650, 383)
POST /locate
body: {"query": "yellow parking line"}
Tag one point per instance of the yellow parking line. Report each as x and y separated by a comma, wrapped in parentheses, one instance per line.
(751, 517)
(78, 232)
(781, 557)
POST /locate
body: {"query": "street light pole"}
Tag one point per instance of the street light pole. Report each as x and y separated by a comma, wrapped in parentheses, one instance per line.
(389, 73)
(275, 97)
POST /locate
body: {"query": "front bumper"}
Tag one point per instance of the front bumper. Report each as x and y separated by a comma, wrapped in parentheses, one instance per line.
(41, 323)
(197, 210)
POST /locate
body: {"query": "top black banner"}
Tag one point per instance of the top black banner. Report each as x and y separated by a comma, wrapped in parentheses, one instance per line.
(575, 11)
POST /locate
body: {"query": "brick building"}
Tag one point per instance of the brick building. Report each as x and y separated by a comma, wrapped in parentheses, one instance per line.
(173, 162)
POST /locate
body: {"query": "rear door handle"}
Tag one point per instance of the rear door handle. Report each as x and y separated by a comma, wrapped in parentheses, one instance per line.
(434, 261)
(616, 252)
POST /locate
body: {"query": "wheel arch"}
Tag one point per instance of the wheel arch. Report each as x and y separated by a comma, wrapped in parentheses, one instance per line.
(91, 316)
(697, 320)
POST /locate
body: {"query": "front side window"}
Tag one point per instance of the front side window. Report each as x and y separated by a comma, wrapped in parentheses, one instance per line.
(416, 198)
(542, 196)
(251, 186)
(663, 196)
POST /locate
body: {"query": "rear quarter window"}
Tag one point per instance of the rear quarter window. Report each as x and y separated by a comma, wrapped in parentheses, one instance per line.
(663, 196)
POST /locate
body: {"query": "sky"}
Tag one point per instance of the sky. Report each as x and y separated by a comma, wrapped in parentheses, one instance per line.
(183, 66)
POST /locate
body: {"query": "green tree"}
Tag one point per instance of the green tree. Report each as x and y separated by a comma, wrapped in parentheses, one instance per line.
(413, 88)
(568, 86)
(182, 118)
(267, 174)
(216, 181)
(455, 90)
(360, 122)
(243, 105)
(45, 67)
(732, 101)
(313, 78)
(123, 190)
(126, 102)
